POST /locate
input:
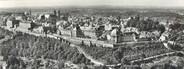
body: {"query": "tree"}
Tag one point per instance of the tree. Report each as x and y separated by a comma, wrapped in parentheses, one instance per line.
(74, 56)
(161, 28)
(102, 67)
(14, 52)
(118, 54)
(83, 60)
(20, 52)
(69, 56)
(55, 55)
(1, 67)
(47, 53)
(124, 61)
(78, 58)
(143, 55)
(87, 61)
(85, 67)
(50, 54)
(10, 67)
(60, 55)
(61, 65)
(12, 60)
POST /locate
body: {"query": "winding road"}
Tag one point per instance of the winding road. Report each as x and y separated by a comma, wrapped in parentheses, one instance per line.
(87, 56)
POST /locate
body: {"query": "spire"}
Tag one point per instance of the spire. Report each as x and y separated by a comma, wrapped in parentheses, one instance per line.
(30, 12)
(54, 12)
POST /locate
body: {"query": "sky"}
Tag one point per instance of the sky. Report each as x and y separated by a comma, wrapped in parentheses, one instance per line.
(40, 3)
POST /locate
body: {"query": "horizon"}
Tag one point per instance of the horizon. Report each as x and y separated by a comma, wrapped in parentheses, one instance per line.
(96, 6)
(88, 3)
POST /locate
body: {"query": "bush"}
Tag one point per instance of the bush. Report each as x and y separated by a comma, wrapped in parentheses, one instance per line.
(61, 65)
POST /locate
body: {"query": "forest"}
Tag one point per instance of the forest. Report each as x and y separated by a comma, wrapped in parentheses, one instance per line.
(145, 25)
(125, 54)
(38, 47)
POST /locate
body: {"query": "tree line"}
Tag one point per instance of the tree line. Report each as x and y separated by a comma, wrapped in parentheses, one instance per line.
(41, 47)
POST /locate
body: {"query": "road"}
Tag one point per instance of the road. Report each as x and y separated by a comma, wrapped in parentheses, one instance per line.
(87, 56)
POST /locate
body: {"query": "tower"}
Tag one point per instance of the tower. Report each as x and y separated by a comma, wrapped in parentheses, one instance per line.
(59, 13)
(55, 13)
(30, 12)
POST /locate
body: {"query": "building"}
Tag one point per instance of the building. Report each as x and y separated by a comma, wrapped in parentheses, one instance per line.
(90, 34)
(49, 27)
(110, 26)
(147, 36)
(38, 29)
(115, 36)
(59, 14)
(26, 25)
(12, 23)
(3, 64)
(89, 31)
(129, 37)
(62, 31)
(9, 24)
(87, 28)
(55, 13)
(51, 18)
(130, 29)
(77, 32)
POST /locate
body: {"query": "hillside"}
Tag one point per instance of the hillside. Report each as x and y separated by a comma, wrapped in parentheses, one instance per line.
(30, 47)
(116, 55)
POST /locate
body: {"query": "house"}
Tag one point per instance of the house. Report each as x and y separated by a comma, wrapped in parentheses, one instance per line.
(3, 65)
(9, 24)
(106, 35)
(18, 18)
(130, 29)
(89, 31)
(62, 31)
(90, 34)
(115, 36)
(49, 27)
(147, 36)
(64, 28)
(41, 19)
(87, 28)
(51, 18)
(26, 25)
(110, 26)
(77, 32)
(39, 29)
(12, 23)
(129, 37)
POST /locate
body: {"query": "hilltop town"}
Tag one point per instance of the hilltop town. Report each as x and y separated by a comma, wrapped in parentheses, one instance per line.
(92, 39)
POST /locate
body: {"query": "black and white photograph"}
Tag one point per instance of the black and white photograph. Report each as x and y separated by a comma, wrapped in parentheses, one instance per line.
(91, 34)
